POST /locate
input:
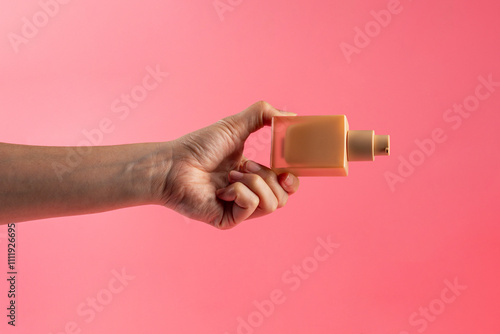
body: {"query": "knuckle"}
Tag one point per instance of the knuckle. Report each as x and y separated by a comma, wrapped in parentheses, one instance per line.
(263, 105)
(254, 179)
(283, 200)
(270, 205)
(239, 187)
(274, 205)
(254, 201)
(270, 177)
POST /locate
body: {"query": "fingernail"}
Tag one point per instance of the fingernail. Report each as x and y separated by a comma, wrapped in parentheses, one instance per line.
(252, 167)
(288, 181)
(235, 175)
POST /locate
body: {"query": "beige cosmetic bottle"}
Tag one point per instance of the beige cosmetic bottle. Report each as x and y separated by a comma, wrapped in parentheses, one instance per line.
(321, 145)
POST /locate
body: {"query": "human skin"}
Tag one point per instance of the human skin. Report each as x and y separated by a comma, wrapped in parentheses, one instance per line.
(202, 175)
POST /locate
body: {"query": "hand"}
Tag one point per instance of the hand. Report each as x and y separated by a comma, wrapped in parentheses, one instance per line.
(210, 180)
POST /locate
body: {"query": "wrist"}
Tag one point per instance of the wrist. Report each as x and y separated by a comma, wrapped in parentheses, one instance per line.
(155, 170)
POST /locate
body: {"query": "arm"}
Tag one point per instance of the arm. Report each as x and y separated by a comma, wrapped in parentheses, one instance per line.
(40, 182)
(202, 175)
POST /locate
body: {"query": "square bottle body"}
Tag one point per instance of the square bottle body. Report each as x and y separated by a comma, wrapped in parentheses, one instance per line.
(310, 145)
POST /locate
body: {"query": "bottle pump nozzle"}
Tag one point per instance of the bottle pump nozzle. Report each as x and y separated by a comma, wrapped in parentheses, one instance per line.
(364, 145)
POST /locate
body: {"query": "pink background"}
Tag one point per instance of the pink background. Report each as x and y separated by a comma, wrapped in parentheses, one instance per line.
(398, 246)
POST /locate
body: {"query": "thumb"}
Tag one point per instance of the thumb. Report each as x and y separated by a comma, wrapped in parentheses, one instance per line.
(258, 115)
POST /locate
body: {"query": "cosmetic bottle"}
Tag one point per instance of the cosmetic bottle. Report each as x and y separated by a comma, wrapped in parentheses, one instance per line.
(321, 145)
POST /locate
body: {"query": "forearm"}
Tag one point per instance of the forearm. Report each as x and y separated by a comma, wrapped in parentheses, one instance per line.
(40, 181)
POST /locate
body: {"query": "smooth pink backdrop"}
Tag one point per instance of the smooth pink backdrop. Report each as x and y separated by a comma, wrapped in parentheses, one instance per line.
(398, 245)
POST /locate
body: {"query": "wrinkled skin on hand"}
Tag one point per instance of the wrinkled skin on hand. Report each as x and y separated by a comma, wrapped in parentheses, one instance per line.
(201, 161)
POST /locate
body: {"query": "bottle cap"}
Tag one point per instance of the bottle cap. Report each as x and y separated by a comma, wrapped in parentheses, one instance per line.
(364, 145)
